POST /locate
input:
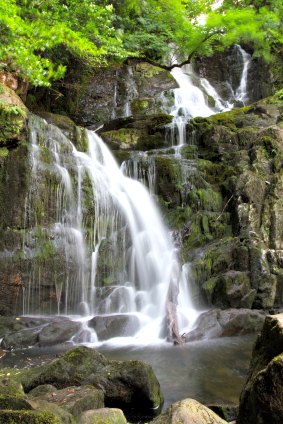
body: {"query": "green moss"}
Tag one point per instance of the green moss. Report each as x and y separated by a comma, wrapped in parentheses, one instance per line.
(3, 152)
(13, 403)
(139, 105)
(28, 417)
(209, 200)
(270, 146)
(128, 136)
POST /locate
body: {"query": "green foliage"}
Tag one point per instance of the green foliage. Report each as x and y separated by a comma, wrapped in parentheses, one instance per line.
(39, 38)
(30, 31)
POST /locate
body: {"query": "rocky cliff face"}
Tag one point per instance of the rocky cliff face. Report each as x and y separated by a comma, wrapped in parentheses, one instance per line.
(229, 208)
(221, 194)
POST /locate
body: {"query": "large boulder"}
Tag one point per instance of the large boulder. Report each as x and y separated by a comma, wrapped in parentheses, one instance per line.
(23, 332)
(229, 322)
(261, 400)
(129, 385)
(188, 411)
(108, 326)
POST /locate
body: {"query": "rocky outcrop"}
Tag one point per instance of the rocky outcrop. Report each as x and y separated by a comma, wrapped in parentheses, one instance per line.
(94, 98)
(226, 211)
(261, 400)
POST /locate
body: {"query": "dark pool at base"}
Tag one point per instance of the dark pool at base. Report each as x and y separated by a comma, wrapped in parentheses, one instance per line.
(212, 371)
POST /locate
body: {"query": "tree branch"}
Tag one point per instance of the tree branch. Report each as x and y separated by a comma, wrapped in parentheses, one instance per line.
(174, 65)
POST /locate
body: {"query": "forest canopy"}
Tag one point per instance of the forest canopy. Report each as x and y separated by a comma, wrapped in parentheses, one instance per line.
(39, 38)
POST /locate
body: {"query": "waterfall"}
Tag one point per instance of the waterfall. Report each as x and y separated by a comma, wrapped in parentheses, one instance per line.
(108, 251)
(241, 92)
(191, 97)
(189, 101)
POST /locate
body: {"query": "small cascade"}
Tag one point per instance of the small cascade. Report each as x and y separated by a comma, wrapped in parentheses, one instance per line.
(189, 102)
(107, 250)
(191, 98)
(241, 92)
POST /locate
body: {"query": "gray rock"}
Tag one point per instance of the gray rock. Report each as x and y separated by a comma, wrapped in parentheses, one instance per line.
(58, 332)
(188, 411)
(230, 322)
(108, 326)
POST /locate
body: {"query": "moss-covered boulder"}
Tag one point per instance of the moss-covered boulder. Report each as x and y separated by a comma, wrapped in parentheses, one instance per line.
(261, 400)
(188, 411)
(129, 385)
(13, 115)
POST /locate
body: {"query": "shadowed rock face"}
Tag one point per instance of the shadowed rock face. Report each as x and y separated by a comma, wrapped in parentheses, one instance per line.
(261, 400)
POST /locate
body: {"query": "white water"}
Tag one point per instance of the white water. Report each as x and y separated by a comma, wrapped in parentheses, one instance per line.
(119, 260)
(191, 98)
(241, 92)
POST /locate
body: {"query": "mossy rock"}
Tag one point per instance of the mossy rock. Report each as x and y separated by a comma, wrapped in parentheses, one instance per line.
(127, 384)
(28, 417)
(13, 114)
(13, 402)
(261, 397)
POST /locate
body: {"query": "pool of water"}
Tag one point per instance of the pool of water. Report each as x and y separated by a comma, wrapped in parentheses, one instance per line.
(212, 371)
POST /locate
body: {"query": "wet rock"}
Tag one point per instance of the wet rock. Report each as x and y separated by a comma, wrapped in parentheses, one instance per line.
(32, 331)
(58, 332)
(103, 415)
(188, 411)
(129, 385)
(108, 326)
(65, 123)
(226, 323)
(262, 397)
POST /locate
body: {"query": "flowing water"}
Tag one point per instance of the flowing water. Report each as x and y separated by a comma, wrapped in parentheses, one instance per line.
(109, 252)
(117, 255)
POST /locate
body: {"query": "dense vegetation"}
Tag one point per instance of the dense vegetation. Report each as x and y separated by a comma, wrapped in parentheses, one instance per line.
(38, 38)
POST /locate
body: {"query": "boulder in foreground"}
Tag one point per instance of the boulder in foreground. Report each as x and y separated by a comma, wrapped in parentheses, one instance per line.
(188, 411)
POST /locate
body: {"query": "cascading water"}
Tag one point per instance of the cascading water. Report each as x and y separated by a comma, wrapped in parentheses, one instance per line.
(108, 248)
(241, 92)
